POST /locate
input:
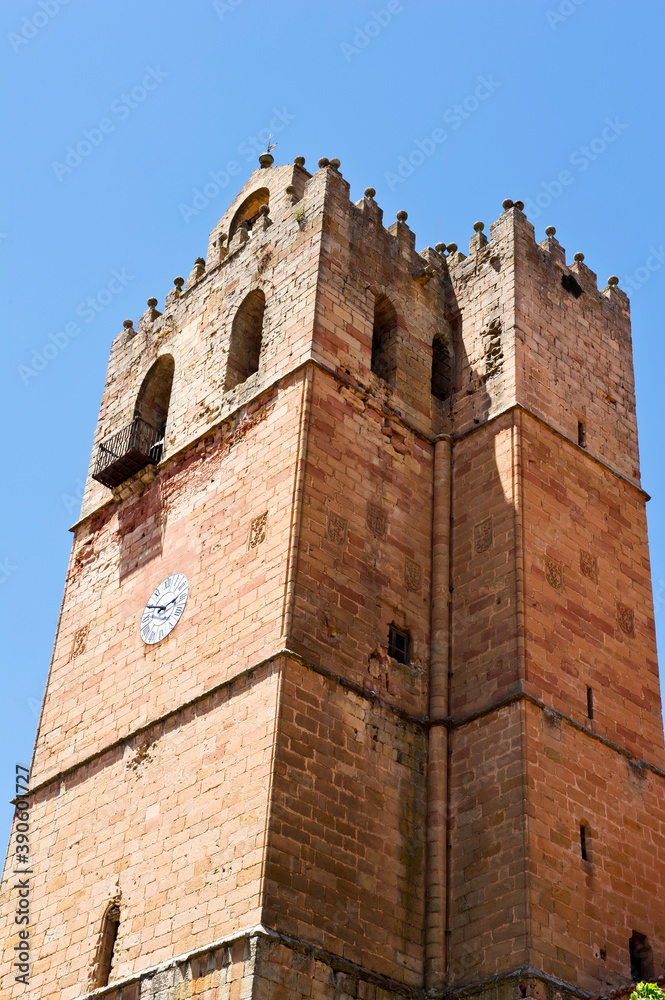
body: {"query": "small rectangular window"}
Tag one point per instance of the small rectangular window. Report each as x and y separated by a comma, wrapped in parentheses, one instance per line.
(581, 434)
(641, 958)
(583, 842)
(398, 644)
(589, 702)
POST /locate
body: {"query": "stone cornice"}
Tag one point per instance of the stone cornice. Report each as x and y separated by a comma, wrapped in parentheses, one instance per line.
(422, 721)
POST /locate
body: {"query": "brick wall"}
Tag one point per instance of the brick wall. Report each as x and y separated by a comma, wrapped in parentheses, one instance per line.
(195, 518)
(395, 826)
(588, 607)
(171, 823)
(345, 864)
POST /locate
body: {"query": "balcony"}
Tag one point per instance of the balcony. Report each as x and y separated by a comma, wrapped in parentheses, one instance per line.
(127, 451)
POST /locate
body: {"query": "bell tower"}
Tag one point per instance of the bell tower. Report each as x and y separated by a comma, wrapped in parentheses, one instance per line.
(354, 690)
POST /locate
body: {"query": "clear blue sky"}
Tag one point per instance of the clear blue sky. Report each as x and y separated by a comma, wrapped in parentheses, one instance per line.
(170, 91)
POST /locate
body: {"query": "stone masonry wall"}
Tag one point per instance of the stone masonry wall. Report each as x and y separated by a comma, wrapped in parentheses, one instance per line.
(220, 514)
(485, 650)
(574, 359)
(583, 913)
(345, 868)
(260, 791)
(281, 259)
(488, 869)
(364, 545)
(159, 825)
(588, 607)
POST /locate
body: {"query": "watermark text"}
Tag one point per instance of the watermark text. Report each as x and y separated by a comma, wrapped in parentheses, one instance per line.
(22, 871)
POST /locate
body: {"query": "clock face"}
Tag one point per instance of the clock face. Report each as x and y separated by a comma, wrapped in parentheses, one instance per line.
(166, 604)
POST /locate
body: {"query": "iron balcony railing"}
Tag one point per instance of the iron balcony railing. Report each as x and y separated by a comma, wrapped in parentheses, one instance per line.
(122, 454)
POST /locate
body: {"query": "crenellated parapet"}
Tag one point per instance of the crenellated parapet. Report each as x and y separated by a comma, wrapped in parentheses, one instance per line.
(354, 685)
(467, 338)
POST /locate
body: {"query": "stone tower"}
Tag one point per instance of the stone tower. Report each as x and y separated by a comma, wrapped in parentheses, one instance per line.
(391, 726)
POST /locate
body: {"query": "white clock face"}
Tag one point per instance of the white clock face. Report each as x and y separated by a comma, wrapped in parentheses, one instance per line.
(166, 604)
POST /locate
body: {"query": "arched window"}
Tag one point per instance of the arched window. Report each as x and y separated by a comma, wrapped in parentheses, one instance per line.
(106, 948)
(441, 368)
(152, 402)
(246, 333)
(249, 210)
(385, 340)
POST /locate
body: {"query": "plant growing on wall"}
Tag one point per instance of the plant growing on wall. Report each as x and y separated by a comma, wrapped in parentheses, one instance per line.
(647, 991)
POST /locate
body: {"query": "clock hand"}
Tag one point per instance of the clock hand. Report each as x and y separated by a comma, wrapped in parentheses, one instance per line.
(161, 607)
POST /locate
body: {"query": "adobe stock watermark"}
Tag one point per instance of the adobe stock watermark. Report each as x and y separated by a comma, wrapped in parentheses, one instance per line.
(455, 117)
(23, 872)
(72, 501)
(201, 196)
(35, 707)
(659, 598)
(379, 19)
(88, 310)
(631, 283)
(32, 25)
(121, 107)
(565, 10)
(581, 159)
(7, 569)
(225, 7)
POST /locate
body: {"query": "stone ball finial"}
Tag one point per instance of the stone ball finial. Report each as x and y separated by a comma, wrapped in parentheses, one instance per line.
(324, 161)
(452, 248)
(402, 216)
(152, 302)
(519, 205)
(369, 192)
(266, 160)
(479, 226)
(579, 256)
(335, 163)
(128, 324)
(507, 203)
(290, 189)
(265, 209)
(299, 161)
(178, 282)
(612, 280)
(440, 247)
(550, 231)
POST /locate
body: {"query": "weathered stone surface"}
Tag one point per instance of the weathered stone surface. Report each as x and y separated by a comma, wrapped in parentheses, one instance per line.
(279, 807)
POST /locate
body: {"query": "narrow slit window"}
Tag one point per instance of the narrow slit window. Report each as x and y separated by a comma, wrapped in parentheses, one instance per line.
(584, 842)
(641, 958)
(107, 943)
(385, 340)
(581, 434)
(398, 644)
(589, 702)
(441, 368)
